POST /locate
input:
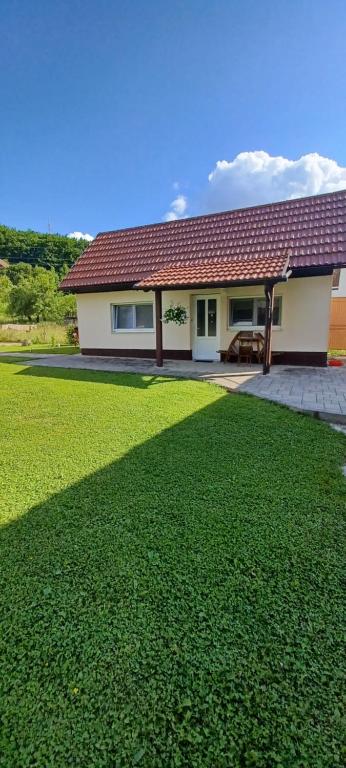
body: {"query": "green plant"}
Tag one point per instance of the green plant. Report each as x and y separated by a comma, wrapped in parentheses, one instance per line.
(34, 297)
(72, 335)
(39, 333)
(176, 313)
(25, 248)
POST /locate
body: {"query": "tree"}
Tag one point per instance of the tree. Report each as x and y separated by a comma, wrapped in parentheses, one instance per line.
(38, 248)
(65, 306)
(5, 288)
(34, 296)
(22, 300)
(15, 271)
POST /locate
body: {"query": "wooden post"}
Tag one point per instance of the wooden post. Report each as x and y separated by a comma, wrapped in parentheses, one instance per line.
(158, 323)
(267, 355)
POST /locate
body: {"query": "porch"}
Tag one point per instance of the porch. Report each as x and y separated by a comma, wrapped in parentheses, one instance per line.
(206, 327)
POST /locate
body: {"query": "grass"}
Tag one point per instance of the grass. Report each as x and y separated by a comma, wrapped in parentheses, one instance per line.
(39, 333)
(170, 560)
(42, 349)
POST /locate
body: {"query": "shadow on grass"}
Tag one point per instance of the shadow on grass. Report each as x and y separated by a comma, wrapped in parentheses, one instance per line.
(121, 378)
(180, 607)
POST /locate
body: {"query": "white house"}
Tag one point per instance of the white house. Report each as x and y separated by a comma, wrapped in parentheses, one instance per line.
(265, 270)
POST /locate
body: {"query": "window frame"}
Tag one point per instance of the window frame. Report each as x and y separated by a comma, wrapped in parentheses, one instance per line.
(132, 304)
(254, 326)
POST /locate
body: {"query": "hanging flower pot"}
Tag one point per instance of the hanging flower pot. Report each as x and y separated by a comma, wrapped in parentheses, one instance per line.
(175, 314)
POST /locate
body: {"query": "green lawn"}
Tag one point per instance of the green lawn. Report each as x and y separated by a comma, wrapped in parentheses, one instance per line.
(170, 561)
(42, 349)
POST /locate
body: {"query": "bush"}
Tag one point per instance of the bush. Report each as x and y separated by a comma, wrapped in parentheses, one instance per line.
(72, 335)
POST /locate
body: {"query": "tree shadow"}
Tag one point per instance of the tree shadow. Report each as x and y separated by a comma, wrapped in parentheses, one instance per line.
(171, 608)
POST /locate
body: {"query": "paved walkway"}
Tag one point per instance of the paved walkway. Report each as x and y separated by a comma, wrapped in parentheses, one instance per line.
(228, 375)
(321, 391)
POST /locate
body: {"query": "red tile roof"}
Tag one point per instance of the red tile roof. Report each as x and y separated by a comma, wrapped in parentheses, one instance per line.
(311, 229)
(217, 271)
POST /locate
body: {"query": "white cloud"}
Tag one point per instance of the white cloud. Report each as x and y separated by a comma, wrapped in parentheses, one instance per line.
(170, 216)
(257, 177)
(81, 236)
(177, 208)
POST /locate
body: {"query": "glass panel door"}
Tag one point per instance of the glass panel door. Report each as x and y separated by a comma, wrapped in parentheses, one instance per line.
(211, 317)
(200, 317)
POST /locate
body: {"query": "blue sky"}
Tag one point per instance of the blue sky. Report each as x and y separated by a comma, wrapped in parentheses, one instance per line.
(112, 110)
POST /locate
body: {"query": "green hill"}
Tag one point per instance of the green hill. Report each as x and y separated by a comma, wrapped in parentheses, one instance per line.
(37, 248)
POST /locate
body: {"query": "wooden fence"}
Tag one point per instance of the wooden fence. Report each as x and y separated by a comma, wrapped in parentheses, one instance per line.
(337, 328)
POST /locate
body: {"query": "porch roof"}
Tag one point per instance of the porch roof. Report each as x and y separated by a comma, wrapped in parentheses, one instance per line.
(222, 272)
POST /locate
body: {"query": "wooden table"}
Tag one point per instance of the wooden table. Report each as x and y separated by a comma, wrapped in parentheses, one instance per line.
(244, 344)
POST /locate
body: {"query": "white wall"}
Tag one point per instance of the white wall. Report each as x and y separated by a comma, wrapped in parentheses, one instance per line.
(304, 322)
(95, 323)
(305, 314)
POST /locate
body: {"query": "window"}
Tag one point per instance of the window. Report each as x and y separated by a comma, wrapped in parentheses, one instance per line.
(132, 317)
(336, 278)
(252, 312)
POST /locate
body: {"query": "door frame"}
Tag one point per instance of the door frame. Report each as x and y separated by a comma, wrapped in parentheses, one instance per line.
(194, 339)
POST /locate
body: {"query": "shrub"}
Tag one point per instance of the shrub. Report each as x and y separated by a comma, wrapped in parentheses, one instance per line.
(72, 335)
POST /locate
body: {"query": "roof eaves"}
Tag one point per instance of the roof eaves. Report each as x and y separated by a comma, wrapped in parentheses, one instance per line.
(96, 287)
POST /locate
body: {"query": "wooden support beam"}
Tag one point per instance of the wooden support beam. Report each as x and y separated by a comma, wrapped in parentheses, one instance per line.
(267, 356)
(158, 325)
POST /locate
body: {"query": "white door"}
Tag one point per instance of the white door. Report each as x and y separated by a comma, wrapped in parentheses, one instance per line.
(205, 328)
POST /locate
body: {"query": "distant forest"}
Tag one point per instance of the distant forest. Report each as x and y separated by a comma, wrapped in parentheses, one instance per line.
(38, 249)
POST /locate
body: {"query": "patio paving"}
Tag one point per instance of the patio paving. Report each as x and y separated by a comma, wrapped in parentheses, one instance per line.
(319, 391)
(228, 375)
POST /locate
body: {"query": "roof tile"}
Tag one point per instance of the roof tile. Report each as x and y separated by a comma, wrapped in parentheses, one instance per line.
(312, 229)
(217, 271)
